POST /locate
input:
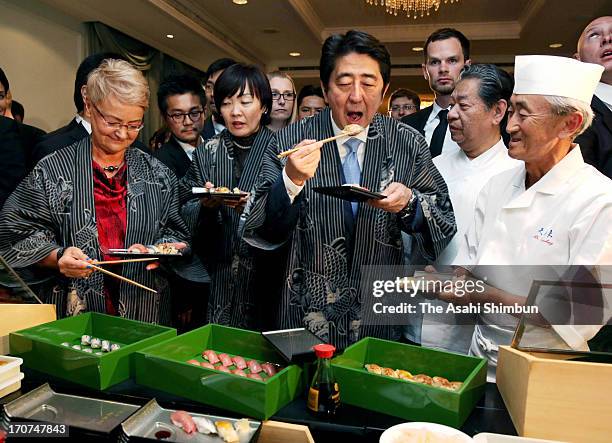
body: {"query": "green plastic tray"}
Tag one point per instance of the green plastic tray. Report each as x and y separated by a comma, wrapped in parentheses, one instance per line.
(41, 347)
(164, 366)
(404, 399)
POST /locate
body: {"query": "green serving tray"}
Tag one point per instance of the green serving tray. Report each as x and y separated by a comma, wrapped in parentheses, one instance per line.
(41, 347)
(404, 399)
(164, 366)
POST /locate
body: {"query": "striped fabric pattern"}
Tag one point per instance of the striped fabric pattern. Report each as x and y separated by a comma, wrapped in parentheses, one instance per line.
(321, 290)
(230, 262)
(54, 206)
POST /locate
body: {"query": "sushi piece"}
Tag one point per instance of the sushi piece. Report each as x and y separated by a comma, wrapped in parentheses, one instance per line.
(88, 350)
(211, 356)
(255, 376)
(66, 344)
(207, 365)
(223, 369)
(374, 369)
(269, 369)
(85, 340)
(239, 372)
(226, 360)
(243, 427)
(105, 346)
(193, 362)
(204, 425)
(455, 385)
(77, 347)
(254, 366)
(403, 374)
(227, 432)
(390, 372)
(239, 362)
(115, 347)
(422, 378)
(184, 421)
(440, 382)
(96, 343)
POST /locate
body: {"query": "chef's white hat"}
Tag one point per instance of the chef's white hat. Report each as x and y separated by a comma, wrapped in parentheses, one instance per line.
(551, 75)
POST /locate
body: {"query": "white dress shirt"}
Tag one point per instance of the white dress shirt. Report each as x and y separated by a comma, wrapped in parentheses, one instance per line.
(293, 190)
(83, 123)
(189, 150)
(218, 127)
(604, 93)
(430, 126)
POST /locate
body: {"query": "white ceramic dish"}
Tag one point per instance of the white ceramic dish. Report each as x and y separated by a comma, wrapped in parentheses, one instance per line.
(409, 433)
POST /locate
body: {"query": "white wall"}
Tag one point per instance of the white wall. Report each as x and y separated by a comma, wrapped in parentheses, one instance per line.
(40, 50)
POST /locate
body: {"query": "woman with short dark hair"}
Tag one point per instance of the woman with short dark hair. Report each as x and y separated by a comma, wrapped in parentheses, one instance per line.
(231, 159)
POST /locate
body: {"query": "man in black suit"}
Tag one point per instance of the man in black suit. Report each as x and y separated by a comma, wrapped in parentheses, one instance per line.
(12, 157)
(446, 52)
(214, 123)
(181, 103)
(79, 126)
(595, 46)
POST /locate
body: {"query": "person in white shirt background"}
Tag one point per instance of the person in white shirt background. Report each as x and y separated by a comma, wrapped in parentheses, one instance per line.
(478, 107)
(554, 210)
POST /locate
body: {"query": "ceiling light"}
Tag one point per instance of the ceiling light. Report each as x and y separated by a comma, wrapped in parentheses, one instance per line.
(295, 54)
(555, 45)
(410, 7)
(417, 48)
(170, 35)
(240, 2)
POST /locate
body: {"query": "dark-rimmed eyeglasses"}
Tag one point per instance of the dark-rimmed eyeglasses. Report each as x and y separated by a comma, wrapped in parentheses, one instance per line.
(179, 117)
(287, 96)
(396, 108)
(116, 126)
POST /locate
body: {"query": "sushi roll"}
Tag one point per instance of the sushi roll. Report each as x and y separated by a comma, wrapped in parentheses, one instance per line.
(255, 376)
(226, 360)
(239, 362)
(374, 369)
(254, 366)
(207, 365)
(66, 344)
(105, 346)
(269, 369)
(211, 356)
(239, 372)
(96, 343)
(227, 432)
(115, 347)
(204, 425)
(85, 340)
(77, 347)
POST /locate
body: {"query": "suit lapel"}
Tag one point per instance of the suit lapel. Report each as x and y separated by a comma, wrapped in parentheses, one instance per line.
(601, 108)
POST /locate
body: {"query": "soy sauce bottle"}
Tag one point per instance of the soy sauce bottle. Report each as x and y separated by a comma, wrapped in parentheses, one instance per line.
(324, 394)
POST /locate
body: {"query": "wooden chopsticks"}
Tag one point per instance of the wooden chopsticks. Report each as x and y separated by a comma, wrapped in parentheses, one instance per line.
(131, 260)
(127, 280)
(325, 140)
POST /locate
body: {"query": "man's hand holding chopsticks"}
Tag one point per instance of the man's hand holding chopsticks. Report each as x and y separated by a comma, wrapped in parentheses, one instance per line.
(74, 263)
(303, 163)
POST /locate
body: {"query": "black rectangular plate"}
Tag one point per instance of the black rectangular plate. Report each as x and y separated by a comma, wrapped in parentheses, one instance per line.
(350, 193)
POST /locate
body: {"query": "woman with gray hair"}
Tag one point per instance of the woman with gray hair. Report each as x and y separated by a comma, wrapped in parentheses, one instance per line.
(95, 195)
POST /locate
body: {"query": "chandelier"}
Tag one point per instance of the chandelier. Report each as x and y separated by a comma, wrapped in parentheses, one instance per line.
(411, 7)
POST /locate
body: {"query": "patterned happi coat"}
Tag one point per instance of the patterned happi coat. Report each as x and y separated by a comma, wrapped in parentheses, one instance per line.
(322, 285)
(54, 206)
(229, 260)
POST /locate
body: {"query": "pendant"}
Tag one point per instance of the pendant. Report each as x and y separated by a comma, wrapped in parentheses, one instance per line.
(111, 168)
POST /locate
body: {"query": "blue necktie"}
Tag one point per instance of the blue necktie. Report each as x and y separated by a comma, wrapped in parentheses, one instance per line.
(350, 166)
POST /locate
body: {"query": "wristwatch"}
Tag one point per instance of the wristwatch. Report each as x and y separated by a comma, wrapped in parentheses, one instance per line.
(408, 210)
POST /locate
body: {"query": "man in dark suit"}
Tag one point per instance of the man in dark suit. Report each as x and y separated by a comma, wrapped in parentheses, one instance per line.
(12, 157)
(446, 52)
(79, 126)
(214, 123)
(595, 46)
(181, 103)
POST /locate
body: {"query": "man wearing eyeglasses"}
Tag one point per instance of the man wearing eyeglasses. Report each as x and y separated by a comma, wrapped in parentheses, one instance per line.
(403, 102)
(181, 102)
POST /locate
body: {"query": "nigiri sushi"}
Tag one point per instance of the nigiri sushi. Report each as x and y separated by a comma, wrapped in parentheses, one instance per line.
(242, 426)
(194, 362)
(269, 369)
(226, 432)
(211, 356)
(184, 421)
(204, 425)
(207, 365)
(226, 360)
(254, 366)
(374, 369)
(223, 369)
(85, 340)
(255, 376)
(239, 372)
(239, 362)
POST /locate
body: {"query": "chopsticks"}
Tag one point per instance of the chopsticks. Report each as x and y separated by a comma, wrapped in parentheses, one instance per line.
(127, 280)
(325, 140)
(131, 260)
